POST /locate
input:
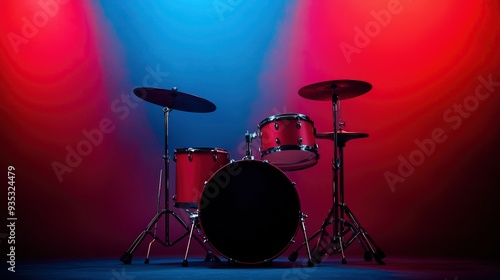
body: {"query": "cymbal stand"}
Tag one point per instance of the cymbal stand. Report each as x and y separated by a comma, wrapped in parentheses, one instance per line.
(341, 226)
(146, 261)
(126, 258)
(336, 243)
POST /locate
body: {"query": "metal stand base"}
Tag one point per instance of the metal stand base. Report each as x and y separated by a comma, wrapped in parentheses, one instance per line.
(328, 244)
(195, 224)
(293, 256)
(126, 258)
(337, 242)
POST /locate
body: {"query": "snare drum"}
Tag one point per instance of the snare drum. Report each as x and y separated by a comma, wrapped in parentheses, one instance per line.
(288, 141)
(194, 166)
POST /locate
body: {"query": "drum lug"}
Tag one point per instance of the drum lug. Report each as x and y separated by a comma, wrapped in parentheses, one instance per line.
(214, 152)
(316, 146)
(341, 125)
(300, 140)
(174, 197)
(276, 126)
(265, 161)
(293, 184)
(299, 124)
(278, 141)
(175, 158)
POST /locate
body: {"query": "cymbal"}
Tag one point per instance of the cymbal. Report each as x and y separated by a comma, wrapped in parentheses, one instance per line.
(344, 89)
(343, 136)
(175, 100)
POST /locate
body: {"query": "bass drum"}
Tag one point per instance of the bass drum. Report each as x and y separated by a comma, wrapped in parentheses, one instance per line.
(249, 211)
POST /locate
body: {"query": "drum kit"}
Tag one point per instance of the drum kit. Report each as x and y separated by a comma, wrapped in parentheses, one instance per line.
(248, 210)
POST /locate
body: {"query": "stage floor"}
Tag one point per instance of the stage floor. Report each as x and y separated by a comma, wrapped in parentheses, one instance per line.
(281, 268)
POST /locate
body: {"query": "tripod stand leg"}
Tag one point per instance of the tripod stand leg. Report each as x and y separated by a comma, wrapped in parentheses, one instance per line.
(303, 223)
(367, 255)
(328, 245)
(185, 261)
(293, 256)
(376, 252)
(324, 241)
(146, 261)
(194, 224)
(339, 240)
(126, 258)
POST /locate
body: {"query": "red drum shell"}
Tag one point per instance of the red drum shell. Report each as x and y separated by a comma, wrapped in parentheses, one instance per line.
(288, 141)
(194, 166)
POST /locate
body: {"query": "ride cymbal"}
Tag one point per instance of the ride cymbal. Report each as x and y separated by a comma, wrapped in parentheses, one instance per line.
(344, 89)
(175, 100)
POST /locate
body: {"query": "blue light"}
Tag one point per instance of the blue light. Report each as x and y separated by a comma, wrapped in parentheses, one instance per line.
(212, 49)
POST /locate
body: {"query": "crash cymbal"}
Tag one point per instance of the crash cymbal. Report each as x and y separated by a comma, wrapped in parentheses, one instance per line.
(343, 136)
(344, 89)
(175, 100)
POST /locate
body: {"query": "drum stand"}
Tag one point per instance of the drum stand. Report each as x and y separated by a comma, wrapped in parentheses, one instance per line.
(337, 242)
(126, 258)
(195, 224)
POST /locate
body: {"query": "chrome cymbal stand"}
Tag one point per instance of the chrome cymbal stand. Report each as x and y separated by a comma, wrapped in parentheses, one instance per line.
(126, 258)
(337, 242)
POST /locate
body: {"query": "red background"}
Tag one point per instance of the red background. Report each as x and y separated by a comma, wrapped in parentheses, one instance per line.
(72, 75)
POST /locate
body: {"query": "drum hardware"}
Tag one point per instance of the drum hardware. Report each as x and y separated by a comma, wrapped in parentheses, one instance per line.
(146, 261)
(248, 139)
(335, 91)
(288, 142)
(193, 216)
(169, 100)
(251, 216)
(238, 218)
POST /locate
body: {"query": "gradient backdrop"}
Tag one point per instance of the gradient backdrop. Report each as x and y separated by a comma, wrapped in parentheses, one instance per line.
(87, 152)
